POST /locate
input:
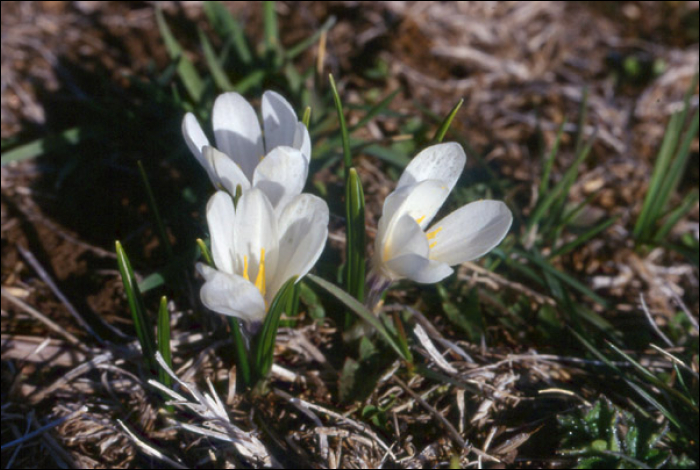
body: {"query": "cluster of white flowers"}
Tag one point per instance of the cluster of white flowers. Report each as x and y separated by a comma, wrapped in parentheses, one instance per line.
(275, 232)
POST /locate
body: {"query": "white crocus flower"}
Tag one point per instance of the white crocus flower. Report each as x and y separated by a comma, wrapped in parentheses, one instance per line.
(408, 246)
(277, 164)
(256, 252)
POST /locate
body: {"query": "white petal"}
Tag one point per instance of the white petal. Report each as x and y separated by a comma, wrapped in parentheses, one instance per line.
(227, 172)
(300, 247)
(470, 232)
(195, 140)
(279, 121)
(221, 217)
(231, 295)
(237, 131)
(442, 162)
(255, 230)
(281, 175)
(307, 207)
(406, 237)
(302, 140)
(421, 201)
(303, 228)
(418, 269)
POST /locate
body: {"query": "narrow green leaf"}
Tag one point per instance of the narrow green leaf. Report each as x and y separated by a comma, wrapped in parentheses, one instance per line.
(230, 29)
(388, 155)
(264, 343)
(656, 404)
(375, 110)
(549, 162)
(347, 156)
(215, 67)
(253, 80)
(242, 359)
(583, 238)
(138, 312)
(445, 126)
(651, 378)
(205, 252)
(355, 246)
(306, 119)
(562, 276)
(164, 341)
(156, 213)
(560, 190)
(44, 145)
(673, 175)
(270, 26)
(676, 215)
(653, 202)
(360, 310)
(304, 44)
(582, 117)
(186, 69)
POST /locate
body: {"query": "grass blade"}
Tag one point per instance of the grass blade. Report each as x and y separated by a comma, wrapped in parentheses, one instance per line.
(584, 237)
(138, 312)
(560, 190)
(164, 341)
(676, 215)
(549, 163)
(156, 213)
(239, 344)
(347, 156)
(270, 25)
(185, 69)
(39, 147)
(229, 28)
(215, 67)
(355, 245)
(304, 44)
(445, 126)
(205, 252)
(565, 278)
(361, 311)
(306, 118)
(375, 110)
(651, 378)
(264, 347)
(673, 175)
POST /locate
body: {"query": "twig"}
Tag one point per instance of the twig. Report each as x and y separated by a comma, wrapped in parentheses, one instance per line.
(539, 298)
(44, 428)
(653, 324)
(31, 259)
(149, 449)
(448, 426)
(42, 318)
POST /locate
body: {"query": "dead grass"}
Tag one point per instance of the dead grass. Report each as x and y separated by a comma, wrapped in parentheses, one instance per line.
(72, 398)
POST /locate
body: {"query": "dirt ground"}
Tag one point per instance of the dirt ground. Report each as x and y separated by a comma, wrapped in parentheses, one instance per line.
(521, 68)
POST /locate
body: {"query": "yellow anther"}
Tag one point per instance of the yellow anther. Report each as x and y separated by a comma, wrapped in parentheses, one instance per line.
(433, 233)
(260, 280)
(245, 268)
(432, 245)
(420, 219)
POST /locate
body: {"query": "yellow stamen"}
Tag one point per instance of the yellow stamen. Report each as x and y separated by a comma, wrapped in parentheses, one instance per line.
(260, 280)
(433, 233)
(420, 219)
(432, 245)
(245, 268)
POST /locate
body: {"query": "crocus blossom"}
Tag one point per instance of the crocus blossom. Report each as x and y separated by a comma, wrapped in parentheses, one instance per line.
(408, 246)
(276, 162)
(256, 252)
